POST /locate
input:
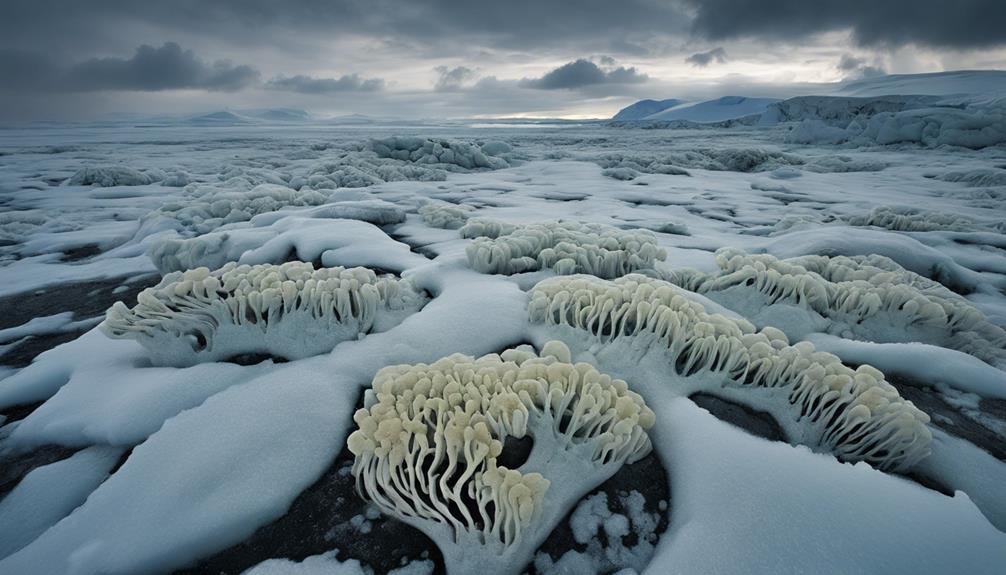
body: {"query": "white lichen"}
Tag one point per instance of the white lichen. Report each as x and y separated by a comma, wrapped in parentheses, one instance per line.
(442, 152)
(204, 208)
(866, 297)
(906, 219)
(854, 414)
(430, 436)
(565, 247)
(444, 215)
(290, 310)
(109, 176)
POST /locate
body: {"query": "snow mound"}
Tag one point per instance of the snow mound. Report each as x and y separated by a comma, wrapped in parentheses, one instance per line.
(854, 414)
(861, 297)
(278, 237)
(565, 247)
(108, 176)
(429, 437)
(441, 152)
(49, 493)
(801, 513)
(329, 564)
(291, 311)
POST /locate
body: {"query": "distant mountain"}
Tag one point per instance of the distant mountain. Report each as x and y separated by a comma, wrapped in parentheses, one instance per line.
(221, 118)
(278, 114)
(991, 82)
(644, 108)
(718, 110)
(352, 119)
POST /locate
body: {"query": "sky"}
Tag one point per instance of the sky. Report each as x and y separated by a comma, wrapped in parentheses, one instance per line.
(78, 60)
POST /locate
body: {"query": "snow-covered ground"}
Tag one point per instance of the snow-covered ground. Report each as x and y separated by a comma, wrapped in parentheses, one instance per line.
(117, 457)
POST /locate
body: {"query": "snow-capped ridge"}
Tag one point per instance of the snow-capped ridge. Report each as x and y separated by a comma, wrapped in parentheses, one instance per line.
(644, 108)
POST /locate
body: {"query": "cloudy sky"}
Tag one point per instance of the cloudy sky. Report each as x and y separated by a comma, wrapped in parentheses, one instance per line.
(75, 59)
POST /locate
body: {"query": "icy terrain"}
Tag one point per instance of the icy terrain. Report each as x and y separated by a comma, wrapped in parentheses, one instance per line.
(664, 305)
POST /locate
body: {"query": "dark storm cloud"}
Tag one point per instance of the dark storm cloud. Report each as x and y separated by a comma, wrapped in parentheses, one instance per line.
(703, 59)
(582, 73)
(311, 85)
(515, 24)
(453, 78)
(165, 68)
(934, 23)
(149, 69)
(858, 68)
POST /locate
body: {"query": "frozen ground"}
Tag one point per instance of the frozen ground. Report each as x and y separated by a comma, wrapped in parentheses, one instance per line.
(114, 459)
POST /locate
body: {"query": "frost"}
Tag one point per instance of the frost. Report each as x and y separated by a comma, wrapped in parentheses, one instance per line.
(606, 553)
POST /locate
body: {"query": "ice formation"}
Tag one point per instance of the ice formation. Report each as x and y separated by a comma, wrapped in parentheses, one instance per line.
(854, 414)
(445, 216)
(108, 176)
(205, 208)
(359, 170)
(429, 437)
(427, 151)
(906, 219)
(892, 120)
(565, 247)
(486, 228)
(730, 160)
(869, 297)
(290, 310)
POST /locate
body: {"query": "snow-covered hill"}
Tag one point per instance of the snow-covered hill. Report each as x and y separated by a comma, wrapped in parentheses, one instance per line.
(725, 108)
(644, 108)
(988, 82)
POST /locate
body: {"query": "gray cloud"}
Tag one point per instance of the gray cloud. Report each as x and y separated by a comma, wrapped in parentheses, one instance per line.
(935, 23)
(582, 73)
(516, 24)
(149, 69)
(165, 68)
(858, 68)
(311, 85)
(453, 78)
(703, 59)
